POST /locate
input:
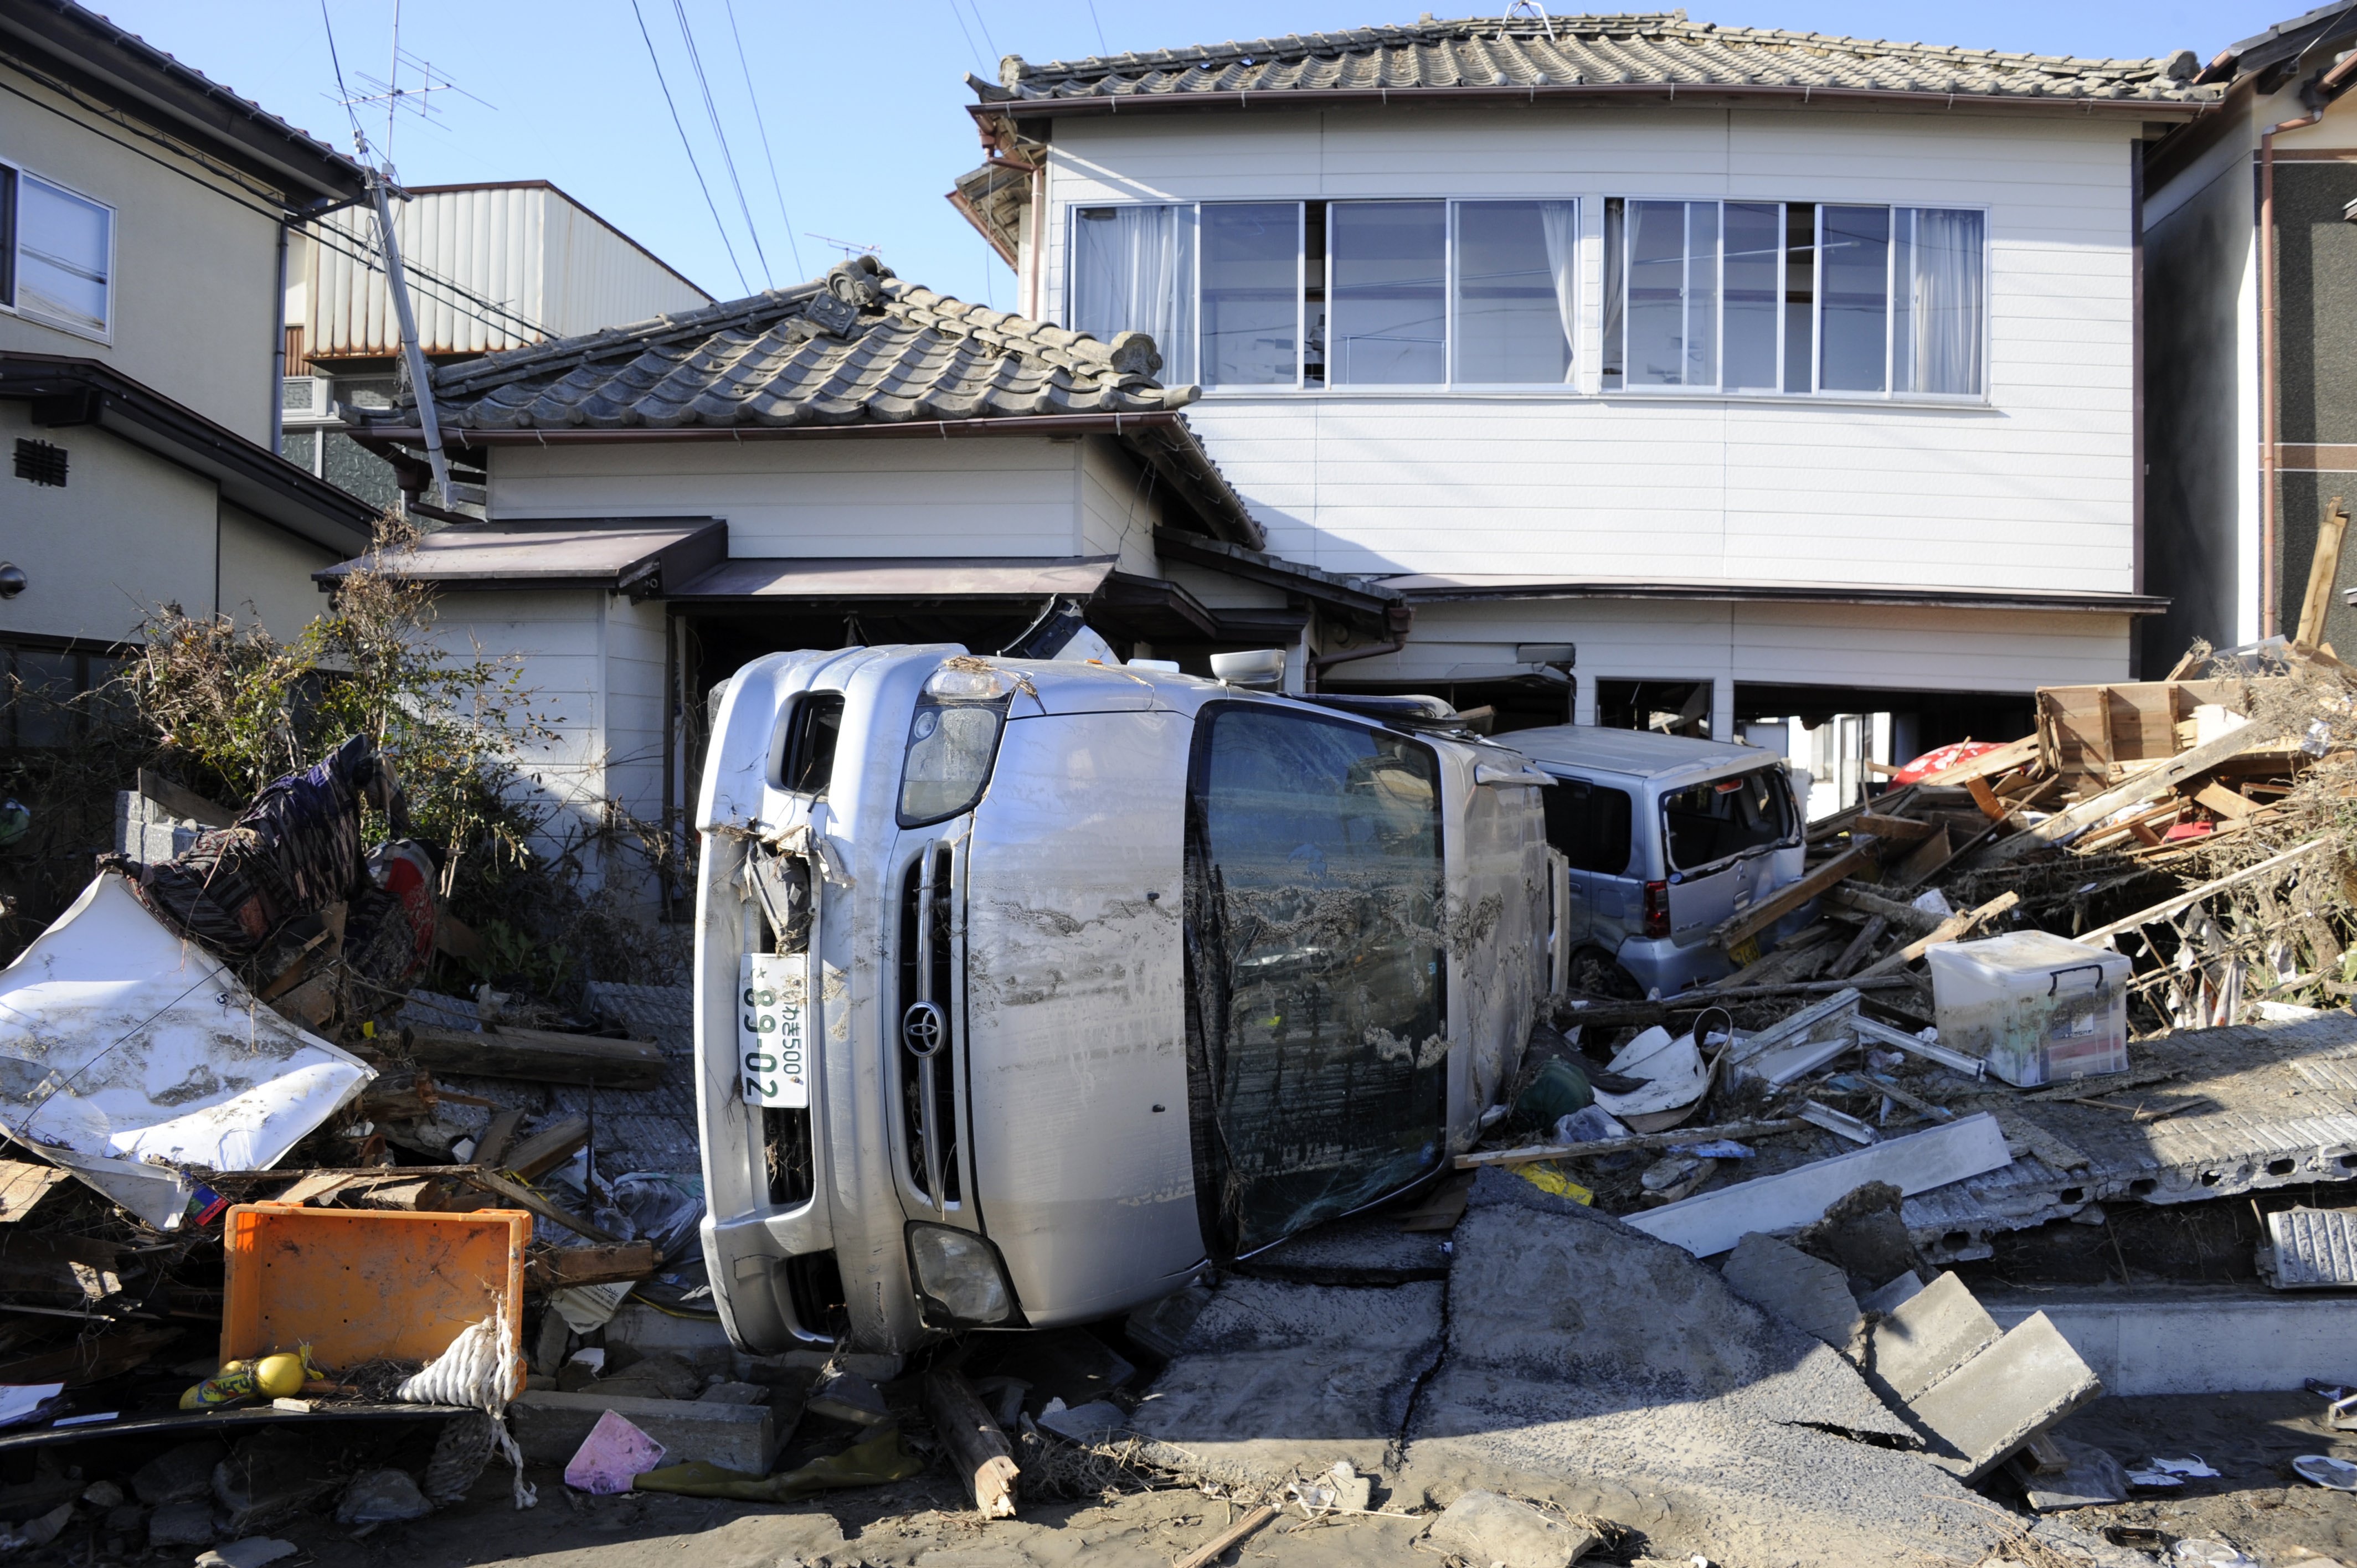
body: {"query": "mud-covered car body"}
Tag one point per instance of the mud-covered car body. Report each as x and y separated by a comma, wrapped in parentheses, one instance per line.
(1024, 988)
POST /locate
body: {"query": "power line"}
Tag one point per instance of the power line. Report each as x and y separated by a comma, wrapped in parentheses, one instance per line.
(1103, 47)
(961, 27)
(710, 205)
(727, 158)
(975, 6)
(767, 151)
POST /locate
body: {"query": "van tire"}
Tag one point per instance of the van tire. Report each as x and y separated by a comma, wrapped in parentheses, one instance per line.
(1594, 973)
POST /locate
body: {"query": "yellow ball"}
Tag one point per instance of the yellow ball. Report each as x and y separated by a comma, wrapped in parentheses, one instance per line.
(279, 1377)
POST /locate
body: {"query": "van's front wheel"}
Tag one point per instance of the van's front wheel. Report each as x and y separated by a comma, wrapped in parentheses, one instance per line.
(1593, 973)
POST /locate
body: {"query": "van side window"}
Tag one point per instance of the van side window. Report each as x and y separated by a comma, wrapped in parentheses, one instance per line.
(1588, 824)
(1707, 822)
(806, 749)
(1318, 1028)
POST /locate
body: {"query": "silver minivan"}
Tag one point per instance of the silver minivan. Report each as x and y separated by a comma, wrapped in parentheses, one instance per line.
(1667, 838)
(1025, 988)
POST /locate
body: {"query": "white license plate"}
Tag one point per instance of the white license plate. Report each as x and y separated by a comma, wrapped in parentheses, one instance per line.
(770, 1034)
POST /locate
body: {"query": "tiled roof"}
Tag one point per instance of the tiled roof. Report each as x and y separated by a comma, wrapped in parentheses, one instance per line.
(1588, 54)
(859, 348)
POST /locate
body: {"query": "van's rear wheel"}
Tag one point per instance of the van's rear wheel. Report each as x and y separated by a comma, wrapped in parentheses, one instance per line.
(1593, 973)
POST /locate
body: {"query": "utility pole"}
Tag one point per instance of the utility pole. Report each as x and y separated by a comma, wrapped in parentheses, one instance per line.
(421, 378)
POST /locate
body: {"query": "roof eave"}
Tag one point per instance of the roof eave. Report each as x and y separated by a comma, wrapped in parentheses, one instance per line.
(111, 63)
(1799, 593)
(1325, 97)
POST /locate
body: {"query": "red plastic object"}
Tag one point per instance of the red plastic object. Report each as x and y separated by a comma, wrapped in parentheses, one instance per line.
(1932, 762)
(2189, 830)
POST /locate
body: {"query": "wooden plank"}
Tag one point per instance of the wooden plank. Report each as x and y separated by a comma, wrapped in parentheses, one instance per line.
(1952, 928)
(1988, 764)
(184, 802)
(314, 1186)
(2192, 896)
(1924, 858)
(2324, 570)
(1897, 830)
(1741, 928)
(547, 1149)
(2224, 802)
(562, 1267)
(1985, 799)
(1896, 911)
(1531, 1154)
(1213, 1549)
(2064, 826)
(1860, 945)
(531, 1202)
(497, 1137)
(539, 1056)
(24, 1184)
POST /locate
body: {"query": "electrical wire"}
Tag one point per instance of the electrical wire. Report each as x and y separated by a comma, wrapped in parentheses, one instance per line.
(767, 151)
(727, 158)
(1103, 48)
(960, 15)
(992, 44)
(710, 205)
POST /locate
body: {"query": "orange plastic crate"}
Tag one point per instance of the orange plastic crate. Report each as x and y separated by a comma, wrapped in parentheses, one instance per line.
(367, 1284)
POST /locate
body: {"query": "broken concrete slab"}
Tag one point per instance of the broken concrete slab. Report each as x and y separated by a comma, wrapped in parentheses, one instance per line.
(2310, 1249)
(550, 1428)
(1486, 1528)
(1365, 1250)
(1596, 1369)
(1807, 1293)
(1927, 1336)
(1886, 1300)
(1711, 1222)
(2197, 1340)
(2000, 1399)
(1274, 1377)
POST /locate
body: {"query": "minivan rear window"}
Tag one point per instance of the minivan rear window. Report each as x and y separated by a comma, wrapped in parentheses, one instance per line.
(1704, 823)
(1587, 824)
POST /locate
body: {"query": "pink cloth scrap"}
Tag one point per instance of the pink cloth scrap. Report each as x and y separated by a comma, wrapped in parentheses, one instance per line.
(612, 1453)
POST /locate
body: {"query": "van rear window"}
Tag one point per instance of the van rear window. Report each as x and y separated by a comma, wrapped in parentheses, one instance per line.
(1587, 824)
(1707, 822)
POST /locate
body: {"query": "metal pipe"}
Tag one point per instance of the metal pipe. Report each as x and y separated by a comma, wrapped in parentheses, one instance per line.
(421, 377)
(2269, 611)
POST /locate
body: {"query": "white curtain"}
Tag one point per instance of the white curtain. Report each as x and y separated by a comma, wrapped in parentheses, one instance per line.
(1560, 222)
(1947, 302)
(1133, 272)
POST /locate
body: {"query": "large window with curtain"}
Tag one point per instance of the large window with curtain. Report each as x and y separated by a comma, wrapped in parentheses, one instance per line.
(1750, 298)
(1794, 297)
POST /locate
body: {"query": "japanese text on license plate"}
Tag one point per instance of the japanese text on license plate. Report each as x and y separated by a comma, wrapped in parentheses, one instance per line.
(770, 1034)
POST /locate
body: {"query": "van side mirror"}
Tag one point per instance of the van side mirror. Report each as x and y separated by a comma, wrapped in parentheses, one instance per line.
(1262, 669)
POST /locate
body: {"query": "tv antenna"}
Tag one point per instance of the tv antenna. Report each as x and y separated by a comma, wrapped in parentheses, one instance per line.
(388, 89)
(849, 248)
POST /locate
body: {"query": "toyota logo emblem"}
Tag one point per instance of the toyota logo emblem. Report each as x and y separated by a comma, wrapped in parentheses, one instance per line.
(924, 1029)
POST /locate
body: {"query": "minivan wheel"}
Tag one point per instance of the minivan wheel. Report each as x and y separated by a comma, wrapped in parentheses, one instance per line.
(1593, 973)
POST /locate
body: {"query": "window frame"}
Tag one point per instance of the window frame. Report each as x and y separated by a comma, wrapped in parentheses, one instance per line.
(1590, 349)
(12, 233)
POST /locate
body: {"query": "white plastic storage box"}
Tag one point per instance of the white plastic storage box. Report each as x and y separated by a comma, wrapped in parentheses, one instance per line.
(2037, 1007)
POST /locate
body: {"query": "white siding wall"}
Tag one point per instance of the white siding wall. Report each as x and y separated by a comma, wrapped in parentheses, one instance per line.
(2033, 491)
(1894, 649)
(634, 731)
(1119, 506)
(966, 496)
(265, 575)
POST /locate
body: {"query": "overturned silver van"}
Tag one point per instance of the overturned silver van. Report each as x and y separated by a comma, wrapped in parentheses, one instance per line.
(1025, 988)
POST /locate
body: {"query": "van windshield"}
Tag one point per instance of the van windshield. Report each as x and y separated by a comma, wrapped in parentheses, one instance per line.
(1318, 1030)
(1705, 823)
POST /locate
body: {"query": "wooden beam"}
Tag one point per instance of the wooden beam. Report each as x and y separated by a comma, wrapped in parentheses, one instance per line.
(2324, 570)
(496, 1137)
(539, 1056)
(1896, 911)
(184, 802)
(1741, 928)
(560, 1268)
(531, 1202)
(1213, 1549)
(979, 1451)
(547, 1149)
(2193, 896)
(1952, 928)
(2064, 826)
(2231, 804)
(1534, 1152)
(1988, 764)
(1897, 830)
(1860, 945)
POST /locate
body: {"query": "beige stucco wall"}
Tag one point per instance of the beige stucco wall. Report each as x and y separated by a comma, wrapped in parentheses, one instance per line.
(195, 276)
(265, 573)
(127, 532)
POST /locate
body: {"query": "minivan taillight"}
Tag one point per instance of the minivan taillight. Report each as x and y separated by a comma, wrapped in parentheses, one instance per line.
(1657, 909)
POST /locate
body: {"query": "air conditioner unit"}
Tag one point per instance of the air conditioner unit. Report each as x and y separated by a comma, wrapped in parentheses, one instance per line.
(307, 399)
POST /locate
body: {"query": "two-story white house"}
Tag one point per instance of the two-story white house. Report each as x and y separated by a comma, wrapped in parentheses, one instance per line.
(1778, 374)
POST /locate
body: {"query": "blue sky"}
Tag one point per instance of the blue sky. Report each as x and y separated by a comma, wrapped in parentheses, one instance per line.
(863, 104)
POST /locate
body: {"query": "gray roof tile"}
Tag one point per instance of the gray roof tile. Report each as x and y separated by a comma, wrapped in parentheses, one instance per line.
(861, 347)
(1571, 52)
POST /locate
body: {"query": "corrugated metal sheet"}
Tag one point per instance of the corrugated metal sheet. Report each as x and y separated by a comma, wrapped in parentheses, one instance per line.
(491, 267)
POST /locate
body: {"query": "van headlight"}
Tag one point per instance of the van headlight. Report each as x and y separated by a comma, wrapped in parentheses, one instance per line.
(961, 1278)
(953, 740)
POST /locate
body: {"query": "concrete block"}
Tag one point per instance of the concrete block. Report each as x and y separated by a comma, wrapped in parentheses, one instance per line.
(1484, 1527)
(651, 1333)
(2197, 1340)
(551, 1427)
(1886, 1300)
(2001, 1398)
(1807, 1293)
(2094, 1478)
(1927, 1336)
